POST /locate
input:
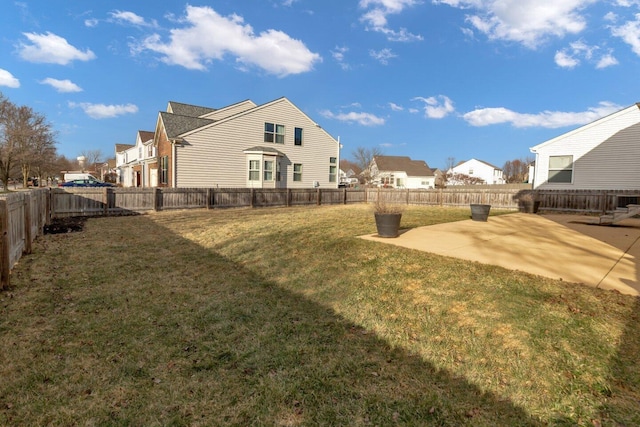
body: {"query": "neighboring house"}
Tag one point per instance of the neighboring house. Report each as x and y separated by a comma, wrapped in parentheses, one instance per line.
(440, 178)
(483, 172)
(121, 161)
(137, 164)
(401, 172)
(602, 155)
(273, 145)
(108, 171)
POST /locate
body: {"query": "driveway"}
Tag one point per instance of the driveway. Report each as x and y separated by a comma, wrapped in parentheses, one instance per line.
(567, 247)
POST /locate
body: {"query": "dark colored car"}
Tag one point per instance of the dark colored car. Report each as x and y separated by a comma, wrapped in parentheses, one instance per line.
(86, 183)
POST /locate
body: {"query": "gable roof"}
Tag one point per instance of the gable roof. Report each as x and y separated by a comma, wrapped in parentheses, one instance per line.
(479, 161)
(188, 109)
(252, 110)
(123, 147)
(146, 135)
(403, 163)
(634, 107)
(175, 125)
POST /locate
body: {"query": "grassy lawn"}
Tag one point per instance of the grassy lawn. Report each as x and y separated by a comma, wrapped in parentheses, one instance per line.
(285, 317)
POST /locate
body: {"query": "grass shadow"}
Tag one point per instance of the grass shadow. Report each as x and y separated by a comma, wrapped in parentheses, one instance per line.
(170, 332)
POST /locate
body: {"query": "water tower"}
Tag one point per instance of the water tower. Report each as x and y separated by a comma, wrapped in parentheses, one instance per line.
(82, 160)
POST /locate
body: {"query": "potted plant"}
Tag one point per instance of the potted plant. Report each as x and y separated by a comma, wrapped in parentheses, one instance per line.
(388, 218)
(527, 203)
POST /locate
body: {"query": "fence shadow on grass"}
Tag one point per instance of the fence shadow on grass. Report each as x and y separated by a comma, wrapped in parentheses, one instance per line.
(241, 349)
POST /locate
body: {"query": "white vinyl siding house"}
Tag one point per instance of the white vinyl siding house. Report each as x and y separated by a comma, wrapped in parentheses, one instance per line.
(479, 169)
(134, 163)
(232, 152)
(602, 155)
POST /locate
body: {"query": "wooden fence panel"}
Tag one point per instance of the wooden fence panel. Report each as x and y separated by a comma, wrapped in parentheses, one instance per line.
(230, 198)
(183, 198)
(122, 201)
(303, 196)
(78, 202)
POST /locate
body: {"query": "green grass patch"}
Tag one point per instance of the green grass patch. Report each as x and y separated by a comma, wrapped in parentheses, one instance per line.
(285, 317)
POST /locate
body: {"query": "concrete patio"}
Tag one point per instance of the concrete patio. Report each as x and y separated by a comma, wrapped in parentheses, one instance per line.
(567, 247)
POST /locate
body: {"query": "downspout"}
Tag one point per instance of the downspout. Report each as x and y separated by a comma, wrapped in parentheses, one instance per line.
(174, 163)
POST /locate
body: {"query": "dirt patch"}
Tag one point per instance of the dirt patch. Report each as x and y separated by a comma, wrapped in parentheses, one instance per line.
(65, 225)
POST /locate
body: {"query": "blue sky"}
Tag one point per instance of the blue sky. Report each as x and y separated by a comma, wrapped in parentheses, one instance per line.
(430, 79)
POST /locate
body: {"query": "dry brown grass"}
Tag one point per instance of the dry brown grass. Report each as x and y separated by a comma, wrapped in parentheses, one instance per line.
(284, 317)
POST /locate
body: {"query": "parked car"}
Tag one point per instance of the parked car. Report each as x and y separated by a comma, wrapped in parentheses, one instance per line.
(86, 182)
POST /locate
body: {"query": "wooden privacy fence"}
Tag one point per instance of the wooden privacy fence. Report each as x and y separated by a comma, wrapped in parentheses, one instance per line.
(23, 215)
(22, 218)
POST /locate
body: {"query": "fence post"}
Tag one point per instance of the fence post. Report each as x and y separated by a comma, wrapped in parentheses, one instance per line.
(157, 202)
(318, 197)
(105, 201)
(345, 196)
(253, 198)
(26, 204)
(5, 250)
(209, 197)
(289, 197)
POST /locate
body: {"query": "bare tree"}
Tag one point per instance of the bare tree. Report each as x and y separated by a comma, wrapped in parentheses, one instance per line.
(517, 170)
(451, 162)
(8, 154)
(92, 158)
(363, 157)
(462, 179)
(26, 141)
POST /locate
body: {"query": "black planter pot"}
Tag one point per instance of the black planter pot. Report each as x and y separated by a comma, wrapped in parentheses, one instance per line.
(388, 224)
(529, 206)
(480, 212)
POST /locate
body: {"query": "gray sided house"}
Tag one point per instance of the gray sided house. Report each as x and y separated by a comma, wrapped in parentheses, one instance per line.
(602, 155)
(274, 145)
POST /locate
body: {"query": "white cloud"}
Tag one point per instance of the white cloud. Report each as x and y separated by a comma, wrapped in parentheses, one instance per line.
(545, 119)
(364, 119)
(91, 22)
(207, 36)
(629, 33)
(572, 56)
(565, 60)
(607, 60)
(395, 107)
(338, 54)
(7, 79)
(376, 18)
(627, 3)
(102, 111)
(125, 17)
(436, 107)
(383, 56)
(529, 22)
(63, 86)
(51, 49)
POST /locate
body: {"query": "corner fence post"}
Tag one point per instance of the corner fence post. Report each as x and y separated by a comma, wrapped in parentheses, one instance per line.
(5, 250)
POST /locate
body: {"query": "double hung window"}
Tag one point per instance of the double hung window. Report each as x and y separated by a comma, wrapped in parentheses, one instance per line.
(274, 133)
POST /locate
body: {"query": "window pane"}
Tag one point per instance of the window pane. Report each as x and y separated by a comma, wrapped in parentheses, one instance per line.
(268, 127)
(279, 139)
(332, 159)
(560, 162)
(560, 176)
(280, 129)
(298, 136)
(268, 170)
(268, 137)
(297, 172)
